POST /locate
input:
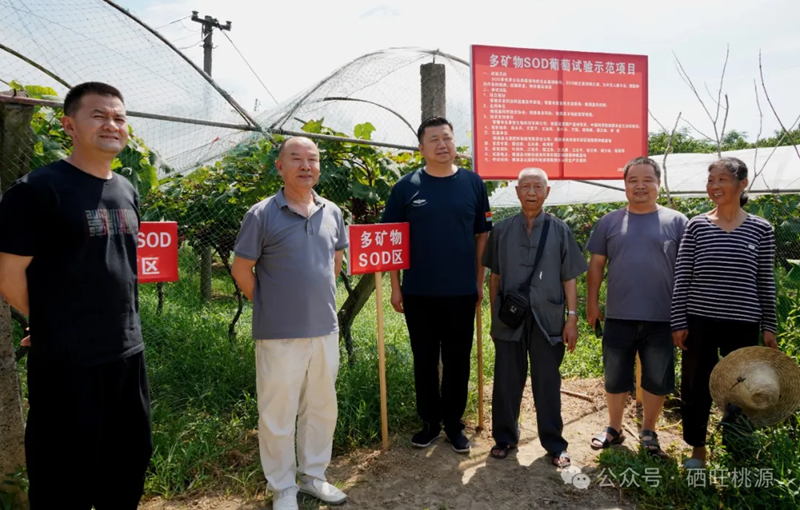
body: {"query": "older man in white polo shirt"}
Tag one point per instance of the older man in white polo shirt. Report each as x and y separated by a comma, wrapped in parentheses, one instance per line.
(287, 256)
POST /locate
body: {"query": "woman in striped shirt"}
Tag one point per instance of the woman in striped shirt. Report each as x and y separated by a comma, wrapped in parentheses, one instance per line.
(724, 293)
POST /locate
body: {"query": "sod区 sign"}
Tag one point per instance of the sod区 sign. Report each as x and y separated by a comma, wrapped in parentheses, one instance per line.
(374, 249)
(378, 247)
(157, 252)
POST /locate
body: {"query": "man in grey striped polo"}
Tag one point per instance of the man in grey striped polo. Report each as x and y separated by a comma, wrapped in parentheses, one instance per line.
(287, 257)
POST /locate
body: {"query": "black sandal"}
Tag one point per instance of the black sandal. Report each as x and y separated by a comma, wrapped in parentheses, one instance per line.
(503, 448)
(650, 444)
(562, 460)
(602, 438)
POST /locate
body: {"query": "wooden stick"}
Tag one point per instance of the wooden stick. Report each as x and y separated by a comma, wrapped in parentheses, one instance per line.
(578, 395)
(381, 360)
(479, 319)
(629, 431)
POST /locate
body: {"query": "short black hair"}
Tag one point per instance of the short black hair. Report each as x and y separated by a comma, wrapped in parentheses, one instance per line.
(432, 122)
(642, 160)
(737, 168)
(76, 93)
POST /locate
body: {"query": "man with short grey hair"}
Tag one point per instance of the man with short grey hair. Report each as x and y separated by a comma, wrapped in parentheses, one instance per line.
(294, 241)
(534, 261)
(639, 244)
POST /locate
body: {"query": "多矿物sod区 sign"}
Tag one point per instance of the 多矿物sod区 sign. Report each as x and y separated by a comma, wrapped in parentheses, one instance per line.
(378, 247)
(576, 115)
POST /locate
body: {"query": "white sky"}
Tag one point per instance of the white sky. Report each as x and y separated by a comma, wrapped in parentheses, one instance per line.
(293, 44)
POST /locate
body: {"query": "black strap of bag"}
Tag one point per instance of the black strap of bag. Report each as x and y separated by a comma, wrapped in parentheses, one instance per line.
(514, 305)
(539, 250)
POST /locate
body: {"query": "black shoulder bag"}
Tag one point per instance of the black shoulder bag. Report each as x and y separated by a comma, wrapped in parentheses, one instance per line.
(515, 304)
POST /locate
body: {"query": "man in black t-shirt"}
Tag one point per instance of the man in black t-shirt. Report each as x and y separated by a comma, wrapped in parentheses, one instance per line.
(447, 209)
(68, 238)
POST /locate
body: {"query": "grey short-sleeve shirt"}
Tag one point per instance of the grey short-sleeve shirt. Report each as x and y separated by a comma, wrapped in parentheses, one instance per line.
(295, 294)
(510, 253)
(641, 250)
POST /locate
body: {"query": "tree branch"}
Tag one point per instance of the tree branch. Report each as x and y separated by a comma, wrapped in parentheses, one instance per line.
(705, 85)
(715, 118)
(697, 130)
(657, 122)
(346, 280)
(778, 144)
(758, 138)
(769, 101)
(225, 257)
(774, 149)
(722, 133)
(689, 82)
(721, 81)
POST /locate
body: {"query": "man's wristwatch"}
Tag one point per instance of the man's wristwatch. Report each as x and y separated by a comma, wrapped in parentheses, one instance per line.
(573, 312)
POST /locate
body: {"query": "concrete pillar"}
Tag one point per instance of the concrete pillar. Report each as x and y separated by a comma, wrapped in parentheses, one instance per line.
(12, 421)
(434, 98)
(16, 147)
(16, 141)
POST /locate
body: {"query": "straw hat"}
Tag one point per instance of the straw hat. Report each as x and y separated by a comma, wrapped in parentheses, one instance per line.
(764, 382)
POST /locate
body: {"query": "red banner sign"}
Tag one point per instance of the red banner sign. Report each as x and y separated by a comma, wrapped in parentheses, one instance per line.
(157, 254)
(575, 115)
(378, 247)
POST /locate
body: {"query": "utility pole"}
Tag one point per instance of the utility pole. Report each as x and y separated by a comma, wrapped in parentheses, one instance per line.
(208, 24)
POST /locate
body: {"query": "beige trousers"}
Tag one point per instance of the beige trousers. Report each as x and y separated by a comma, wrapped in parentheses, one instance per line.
(296, 381)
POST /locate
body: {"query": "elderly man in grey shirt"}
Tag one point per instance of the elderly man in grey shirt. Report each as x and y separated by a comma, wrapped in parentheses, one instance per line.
(294, 241)
(552, 295)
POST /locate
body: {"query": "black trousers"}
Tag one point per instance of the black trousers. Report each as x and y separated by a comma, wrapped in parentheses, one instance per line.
(443, 324)
(707, 340)
(510, 372)
(88, 439)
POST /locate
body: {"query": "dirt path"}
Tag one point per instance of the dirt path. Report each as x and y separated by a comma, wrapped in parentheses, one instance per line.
(439, 479)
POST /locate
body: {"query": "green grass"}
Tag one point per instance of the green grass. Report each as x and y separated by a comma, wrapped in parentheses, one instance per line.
(204, 394)
(204, 408)
(774, 450)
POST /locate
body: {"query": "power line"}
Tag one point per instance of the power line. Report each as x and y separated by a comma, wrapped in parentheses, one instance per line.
(184, 37)
(195, 44)
(251, 67)
(173, 22)
(188, 29)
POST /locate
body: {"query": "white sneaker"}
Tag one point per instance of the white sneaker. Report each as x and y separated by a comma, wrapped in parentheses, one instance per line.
(324, 492)
(285, 500)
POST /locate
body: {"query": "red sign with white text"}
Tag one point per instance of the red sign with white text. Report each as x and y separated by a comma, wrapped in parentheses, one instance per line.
(157, 254)
(575, 115)
(378, 247)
